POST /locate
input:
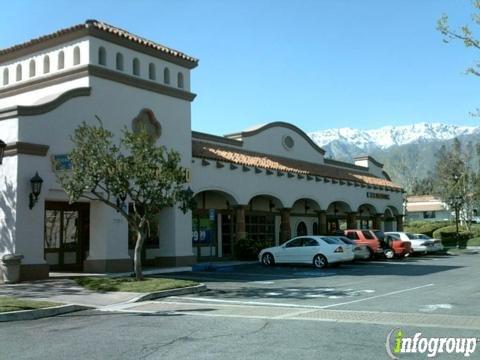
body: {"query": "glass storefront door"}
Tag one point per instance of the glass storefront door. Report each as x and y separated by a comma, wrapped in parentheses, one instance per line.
(66, 235)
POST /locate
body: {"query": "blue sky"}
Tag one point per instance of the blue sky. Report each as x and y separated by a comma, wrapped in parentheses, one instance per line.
(315, 63)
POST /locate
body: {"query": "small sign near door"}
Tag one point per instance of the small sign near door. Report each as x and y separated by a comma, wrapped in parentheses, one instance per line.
(211, 214)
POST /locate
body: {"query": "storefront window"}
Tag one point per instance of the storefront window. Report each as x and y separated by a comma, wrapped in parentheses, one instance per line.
(261, 227)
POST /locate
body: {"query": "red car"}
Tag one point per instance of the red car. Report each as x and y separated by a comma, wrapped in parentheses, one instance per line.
(365, 237)
(400, 248)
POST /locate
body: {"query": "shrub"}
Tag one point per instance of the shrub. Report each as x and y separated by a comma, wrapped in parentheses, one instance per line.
(474, 229)
(449, 238)
(425, 227)
(248, 249)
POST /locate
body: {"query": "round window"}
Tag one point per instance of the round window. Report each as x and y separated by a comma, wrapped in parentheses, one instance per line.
(288, 142)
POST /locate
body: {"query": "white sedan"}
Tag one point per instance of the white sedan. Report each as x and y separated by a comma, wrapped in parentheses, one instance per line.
(317, 250)
(436, 246)
(418, 245)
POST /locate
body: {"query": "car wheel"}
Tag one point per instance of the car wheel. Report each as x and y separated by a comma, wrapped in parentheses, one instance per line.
(268, 260)
(407, 254)
(389, 254)
(320, 261)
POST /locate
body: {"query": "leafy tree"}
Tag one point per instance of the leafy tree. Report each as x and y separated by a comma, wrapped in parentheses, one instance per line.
(135, 171)
(464, 34)
(456, 183)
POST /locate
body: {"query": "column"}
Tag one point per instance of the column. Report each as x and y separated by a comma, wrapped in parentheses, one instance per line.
(399, 219)
(352, 220)
(219, 236)
(322, 222)
(240, 227)
(377, 222)
(108, 241)
(285, 231)
(175, 233)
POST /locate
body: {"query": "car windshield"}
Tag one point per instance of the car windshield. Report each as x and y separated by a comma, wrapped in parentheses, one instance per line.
(368, 235)
(379, 234)
(393, 237)
(424, 237)
(411, 236)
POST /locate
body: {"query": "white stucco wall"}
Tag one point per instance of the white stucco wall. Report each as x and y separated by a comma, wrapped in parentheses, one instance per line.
(116, 105)
(243, 186)
(269, 141)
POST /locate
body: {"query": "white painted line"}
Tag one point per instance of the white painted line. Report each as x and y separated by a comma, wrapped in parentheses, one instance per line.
(262, 303)
(261, 282)
(221, 301)
(377, 296)
(433, 307)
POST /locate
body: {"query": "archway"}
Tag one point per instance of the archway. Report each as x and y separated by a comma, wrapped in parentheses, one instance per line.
(366, 216)
(213, 224)
(262, 221)
(301, 229)
(339, 217)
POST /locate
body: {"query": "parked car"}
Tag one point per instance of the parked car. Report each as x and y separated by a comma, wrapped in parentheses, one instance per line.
(437, 243)
(317, 250)
(365, 237)
(361, 252)
(399, 247)
(417, 245)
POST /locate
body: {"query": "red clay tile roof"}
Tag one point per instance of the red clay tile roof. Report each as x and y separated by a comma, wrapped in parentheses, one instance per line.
(105, 28)
(265, 161)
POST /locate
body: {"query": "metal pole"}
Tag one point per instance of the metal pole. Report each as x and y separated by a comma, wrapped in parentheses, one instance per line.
(456, 225)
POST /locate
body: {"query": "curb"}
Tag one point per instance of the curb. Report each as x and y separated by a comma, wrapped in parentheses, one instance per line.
(173, 292)
(41, 313)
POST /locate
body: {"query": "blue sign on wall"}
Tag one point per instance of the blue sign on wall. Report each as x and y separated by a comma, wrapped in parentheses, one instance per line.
(211, 214)
(61, 162)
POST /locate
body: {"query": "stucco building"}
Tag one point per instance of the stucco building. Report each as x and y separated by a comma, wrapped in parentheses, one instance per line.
(268, 183)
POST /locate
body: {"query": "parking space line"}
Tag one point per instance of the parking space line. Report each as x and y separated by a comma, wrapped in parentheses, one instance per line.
(377, 296)
(263, 303)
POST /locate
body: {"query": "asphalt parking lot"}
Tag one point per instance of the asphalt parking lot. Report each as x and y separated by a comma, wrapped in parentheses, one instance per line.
(282, 312)
(429, 284)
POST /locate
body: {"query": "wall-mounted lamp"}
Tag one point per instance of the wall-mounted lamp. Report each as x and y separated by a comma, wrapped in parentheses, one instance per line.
(2, 150)
(36, 183)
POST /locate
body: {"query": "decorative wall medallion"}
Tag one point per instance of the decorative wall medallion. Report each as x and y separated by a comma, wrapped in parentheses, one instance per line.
(146, 120)
(288, 142)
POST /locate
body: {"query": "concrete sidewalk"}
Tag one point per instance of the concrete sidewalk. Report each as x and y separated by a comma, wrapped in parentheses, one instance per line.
(65, 291)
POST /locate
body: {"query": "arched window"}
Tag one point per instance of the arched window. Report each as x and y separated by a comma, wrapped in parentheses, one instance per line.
(32, 68)
(151, 71)
(61, 60)
(5, 76)
(102, 56)
(301, 229)
(136, 67)
(166, 76)
(19, 73)
(46, 65)
(119, 62)
(76, 55)
(180, 80)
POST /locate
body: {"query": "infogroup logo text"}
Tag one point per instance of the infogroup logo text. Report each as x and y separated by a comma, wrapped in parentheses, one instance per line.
(397, 343)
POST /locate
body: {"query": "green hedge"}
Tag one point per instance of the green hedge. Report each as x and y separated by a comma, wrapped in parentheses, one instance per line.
(449, 238)
(474, 229)
(425, 227)
(248, 249)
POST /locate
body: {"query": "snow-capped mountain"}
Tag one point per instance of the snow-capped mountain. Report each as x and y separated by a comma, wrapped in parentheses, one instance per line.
(388, 136)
